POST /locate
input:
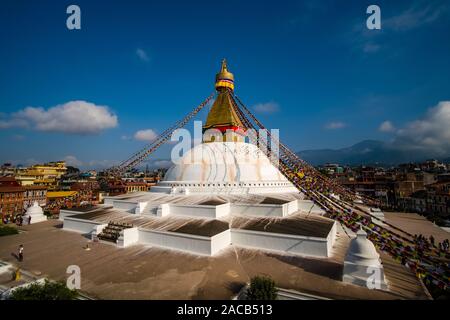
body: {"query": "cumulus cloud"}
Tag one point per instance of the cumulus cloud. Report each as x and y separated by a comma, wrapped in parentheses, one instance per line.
(142, 55)
(386, 126)
(163, 163)
(72, 161)
(431, 133)
(145, 135)
(91, 164)
(268, 107)
(335, 125)
(371, 47)
(73, 117)
(417, 15)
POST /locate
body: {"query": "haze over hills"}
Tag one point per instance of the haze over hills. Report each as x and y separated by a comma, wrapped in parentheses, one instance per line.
(365, 152)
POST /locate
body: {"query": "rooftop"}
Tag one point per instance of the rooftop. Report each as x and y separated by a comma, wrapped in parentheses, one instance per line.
(60, 194)
(145, 272)
(299, 224)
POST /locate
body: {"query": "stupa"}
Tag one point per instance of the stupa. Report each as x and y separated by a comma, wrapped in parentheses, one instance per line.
(36, 214)
(222, 192)
(362, 265)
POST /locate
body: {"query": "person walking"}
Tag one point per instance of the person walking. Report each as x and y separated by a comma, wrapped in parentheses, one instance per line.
(29, 219)
(21, 253)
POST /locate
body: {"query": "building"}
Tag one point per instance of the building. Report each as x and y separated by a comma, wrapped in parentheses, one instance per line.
(116, 187)
(11, 199)
(438, 198)
(90, 191)
(136, 186)
(64, 199)
(48, 174)
(34, 194)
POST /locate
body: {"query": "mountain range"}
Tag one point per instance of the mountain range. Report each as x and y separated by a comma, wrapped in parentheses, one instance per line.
(367, 152)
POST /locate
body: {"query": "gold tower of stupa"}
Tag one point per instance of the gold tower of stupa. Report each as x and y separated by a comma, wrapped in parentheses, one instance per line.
(222, 115)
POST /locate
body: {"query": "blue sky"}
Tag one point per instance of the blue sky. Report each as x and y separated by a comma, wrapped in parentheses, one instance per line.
(310, 68)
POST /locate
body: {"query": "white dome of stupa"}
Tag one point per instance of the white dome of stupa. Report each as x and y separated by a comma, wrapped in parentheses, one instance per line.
(34, 209)
(217, 167)
(362, 251)
(34, 214)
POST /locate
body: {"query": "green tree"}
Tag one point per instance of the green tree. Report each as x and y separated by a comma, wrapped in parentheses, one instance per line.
(7, 230)
(44, 291)
(262, 288)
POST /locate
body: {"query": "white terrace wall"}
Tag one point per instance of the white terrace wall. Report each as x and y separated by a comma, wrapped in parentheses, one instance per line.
(79, 225)
(186, 242)
(290, 208)
(220, 241)
(177, 241)
(128, 237)
(128, 206)
(201, 211)
(265, 210)
(307, 246)
(309, 206)
(331, 239)
(66, 213)
(193, 211)
(108, 201)
(140, 207)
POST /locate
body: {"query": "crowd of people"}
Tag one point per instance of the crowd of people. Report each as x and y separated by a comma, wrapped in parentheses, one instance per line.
(66, 202)
(18, 219)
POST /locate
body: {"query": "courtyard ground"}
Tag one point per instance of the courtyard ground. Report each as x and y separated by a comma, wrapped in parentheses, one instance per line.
(145, 272)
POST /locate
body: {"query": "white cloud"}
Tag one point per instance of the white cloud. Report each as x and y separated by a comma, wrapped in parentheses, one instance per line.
(268, 107)
(335, 125)
(371, 47)
(145, 135)
(431, 133)
(142, 54)
(91, 164)
(72, 161)
(163, 163)
(386, 126)
(74, 117)
(415, 16)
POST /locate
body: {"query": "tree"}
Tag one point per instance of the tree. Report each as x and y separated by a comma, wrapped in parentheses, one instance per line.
(7, 230)
(44, 291)
(262, 288)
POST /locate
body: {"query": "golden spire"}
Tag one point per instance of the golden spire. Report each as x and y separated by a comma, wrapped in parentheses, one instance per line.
(222, 115)
(224, 79)
(224, 66)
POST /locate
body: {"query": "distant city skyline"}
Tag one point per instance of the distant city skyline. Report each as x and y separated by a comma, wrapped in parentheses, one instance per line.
(312, 69)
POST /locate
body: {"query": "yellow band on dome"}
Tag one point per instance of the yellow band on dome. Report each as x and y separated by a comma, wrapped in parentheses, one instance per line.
(224, 84)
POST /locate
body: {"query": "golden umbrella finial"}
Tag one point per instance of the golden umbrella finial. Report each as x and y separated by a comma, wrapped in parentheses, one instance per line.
(224, 65)
(224, 79)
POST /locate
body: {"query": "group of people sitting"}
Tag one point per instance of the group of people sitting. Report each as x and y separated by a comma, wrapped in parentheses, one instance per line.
(430, 243)
(18, 219)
